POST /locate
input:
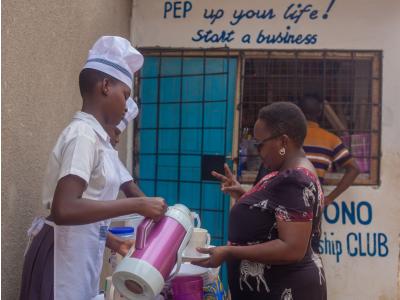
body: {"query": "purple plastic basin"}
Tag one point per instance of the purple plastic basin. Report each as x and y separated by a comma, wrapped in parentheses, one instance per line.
(187, 288)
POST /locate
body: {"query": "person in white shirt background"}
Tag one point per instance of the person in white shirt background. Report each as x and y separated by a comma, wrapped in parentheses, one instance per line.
(128, 186)
(80, 181)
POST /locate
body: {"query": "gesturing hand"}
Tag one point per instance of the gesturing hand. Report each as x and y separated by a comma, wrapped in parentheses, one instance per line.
(229, 184)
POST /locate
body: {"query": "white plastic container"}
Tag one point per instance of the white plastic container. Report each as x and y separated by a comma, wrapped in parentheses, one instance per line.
(132, 220)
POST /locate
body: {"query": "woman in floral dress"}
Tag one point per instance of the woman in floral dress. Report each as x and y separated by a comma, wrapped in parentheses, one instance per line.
(269, 255)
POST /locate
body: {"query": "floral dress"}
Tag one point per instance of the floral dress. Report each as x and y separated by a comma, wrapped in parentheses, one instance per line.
(293, 195)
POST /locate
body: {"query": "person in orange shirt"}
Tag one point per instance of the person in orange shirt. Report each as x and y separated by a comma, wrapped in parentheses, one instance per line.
(324, 149)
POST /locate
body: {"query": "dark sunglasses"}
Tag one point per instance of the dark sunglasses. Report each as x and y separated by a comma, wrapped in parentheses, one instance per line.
(260, 144)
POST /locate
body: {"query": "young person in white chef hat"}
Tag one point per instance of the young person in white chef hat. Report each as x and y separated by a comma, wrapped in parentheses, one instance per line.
(132, 110)
(80, 181)
(128, 186)
(114, 132)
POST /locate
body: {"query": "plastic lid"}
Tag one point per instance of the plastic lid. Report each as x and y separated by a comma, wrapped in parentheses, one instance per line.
(121, 230)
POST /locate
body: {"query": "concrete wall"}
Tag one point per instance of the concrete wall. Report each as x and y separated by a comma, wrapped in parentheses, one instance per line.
(45, 44)
(353, 24)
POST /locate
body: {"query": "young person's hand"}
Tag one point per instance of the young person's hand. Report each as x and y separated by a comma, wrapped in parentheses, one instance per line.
(153, 208)
(229, 184)
(125, 246)
(118, 244)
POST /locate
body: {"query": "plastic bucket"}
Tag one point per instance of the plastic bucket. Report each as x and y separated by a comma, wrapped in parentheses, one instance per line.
(187, 288)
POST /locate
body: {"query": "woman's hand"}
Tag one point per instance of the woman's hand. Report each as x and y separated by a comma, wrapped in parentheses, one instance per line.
(217, 256)
(229, 184)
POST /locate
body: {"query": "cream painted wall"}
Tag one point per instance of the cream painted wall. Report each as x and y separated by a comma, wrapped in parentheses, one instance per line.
(353, 24)
(45, 44)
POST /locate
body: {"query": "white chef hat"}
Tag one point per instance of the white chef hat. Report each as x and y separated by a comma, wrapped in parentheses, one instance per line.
(115, 56)
(131, 113)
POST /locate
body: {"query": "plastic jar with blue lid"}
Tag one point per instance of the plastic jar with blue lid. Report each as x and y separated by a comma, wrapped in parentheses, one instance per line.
(122, 232)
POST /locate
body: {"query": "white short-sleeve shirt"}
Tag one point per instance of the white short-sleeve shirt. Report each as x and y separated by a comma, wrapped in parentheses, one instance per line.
(83, 149)
(124, 173)
(78, 151)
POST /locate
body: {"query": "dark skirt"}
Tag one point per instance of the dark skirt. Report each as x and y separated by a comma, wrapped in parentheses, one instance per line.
(38, 271)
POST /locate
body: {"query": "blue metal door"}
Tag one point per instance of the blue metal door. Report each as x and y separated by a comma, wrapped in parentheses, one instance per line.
(186, 126)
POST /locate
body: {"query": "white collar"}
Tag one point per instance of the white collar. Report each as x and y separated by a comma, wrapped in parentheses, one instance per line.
(92, 121)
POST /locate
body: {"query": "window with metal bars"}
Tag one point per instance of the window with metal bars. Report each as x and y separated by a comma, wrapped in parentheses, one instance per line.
(185, 130)
(349, 83)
